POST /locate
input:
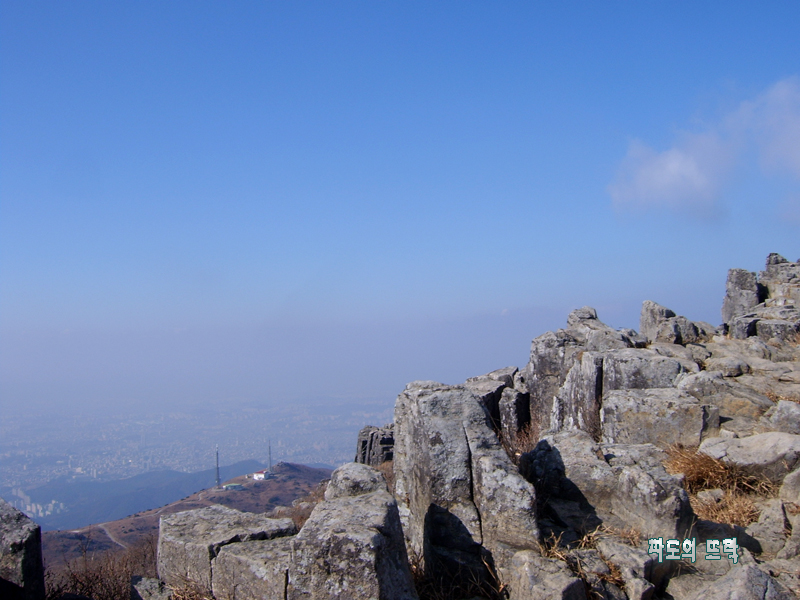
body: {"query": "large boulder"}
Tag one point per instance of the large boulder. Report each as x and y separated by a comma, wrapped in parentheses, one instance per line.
(21, 569)
(459, 494)
(661, 416)
(351, 548)
(621, 485)
(354, 479)
(189, 541)
(255, 569)
(769, 455)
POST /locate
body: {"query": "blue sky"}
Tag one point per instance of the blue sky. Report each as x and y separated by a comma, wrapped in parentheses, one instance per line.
(253, 202)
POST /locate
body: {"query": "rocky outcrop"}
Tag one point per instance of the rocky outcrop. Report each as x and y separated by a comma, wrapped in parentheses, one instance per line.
(531, 478)
(766, 305)
(659, 324)
(661, 416)
(375, 445)
(21, 570)
(463, 503)
(351, 547)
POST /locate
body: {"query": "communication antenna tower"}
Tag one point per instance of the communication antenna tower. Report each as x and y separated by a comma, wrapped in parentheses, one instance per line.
(218, 481)
(270, 454)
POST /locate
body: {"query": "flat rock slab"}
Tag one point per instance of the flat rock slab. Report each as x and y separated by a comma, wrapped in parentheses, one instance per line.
(188, 541)
(21, 570)
(772, 455)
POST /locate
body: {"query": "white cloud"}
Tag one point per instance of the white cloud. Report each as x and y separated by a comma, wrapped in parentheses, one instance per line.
(692, 174)
(775, 122)
(688, 175)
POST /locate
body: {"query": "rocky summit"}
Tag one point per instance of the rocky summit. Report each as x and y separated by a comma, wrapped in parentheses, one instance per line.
(616, 464)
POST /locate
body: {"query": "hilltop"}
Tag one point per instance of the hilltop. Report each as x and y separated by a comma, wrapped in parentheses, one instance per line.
(290, 481)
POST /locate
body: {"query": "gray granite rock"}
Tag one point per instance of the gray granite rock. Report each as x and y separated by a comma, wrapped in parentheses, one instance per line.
(770, 530)
(790, 489)
(784, 417)
(21, 569)
(375, 445)
(188, 541)
(662, 416)
(351, 548)
(742, 293)
(354, 479)
(147, 588)
(459, 494)
(771, 455)
(747, 582)
(620, 485)
(534, 577)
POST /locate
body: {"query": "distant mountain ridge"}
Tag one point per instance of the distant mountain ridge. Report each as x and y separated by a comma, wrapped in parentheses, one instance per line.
(101, 501)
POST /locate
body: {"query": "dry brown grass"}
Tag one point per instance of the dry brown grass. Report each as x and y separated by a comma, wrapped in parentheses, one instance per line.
(301, 509)
(463, 586)
(387, 470)
(189, 592)
(775, 397)
(703, 472)
(103, 576)
(552, 548)
(524, 441)
(735, 508)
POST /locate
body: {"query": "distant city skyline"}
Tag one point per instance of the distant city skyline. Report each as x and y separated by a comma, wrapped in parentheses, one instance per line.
(207, 204)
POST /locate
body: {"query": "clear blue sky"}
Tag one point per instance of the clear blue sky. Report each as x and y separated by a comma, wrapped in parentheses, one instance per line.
(261, 201)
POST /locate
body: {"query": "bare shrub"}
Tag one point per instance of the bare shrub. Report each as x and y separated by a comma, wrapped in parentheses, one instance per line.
(301, 509)
(103, 576)
(189, 592)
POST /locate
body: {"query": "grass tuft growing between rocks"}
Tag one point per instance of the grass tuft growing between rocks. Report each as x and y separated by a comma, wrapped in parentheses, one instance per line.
(704, 472)
(778, 397)
(740, 491)
(189, 592)
(525, 441)
(461, 586)
(735, 508)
